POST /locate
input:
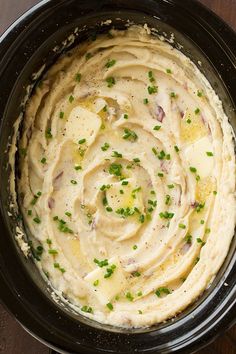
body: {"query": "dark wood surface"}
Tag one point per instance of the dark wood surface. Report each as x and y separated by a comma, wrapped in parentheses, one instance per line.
(13, 338)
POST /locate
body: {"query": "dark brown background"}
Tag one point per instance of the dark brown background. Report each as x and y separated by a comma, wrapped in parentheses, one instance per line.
(13, 339)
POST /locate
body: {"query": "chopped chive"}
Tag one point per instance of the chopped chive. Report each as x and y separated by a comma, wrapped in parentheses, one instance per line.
(115, 169)
(168, 71)
(49, 242)
(136, 274)
(43, 161)
(104, 201)
(124, 183)
(129, 296)
(110, 63)
(61, 115)
(188, 238)
(157, 127)
(37, 220)
(116, 154)
(197, 110)
(53, 252)
(202, 222)
(142, 219)
(214, 192)
(110, 271)
(96, 282)
(199, 207)
(139, 293)
(73, 181)
(129, 135)
(110, 81)
(29, 212)
(198, 178)
(166, 215)
(88, 56)
(152, 89)
(126, 116)
(182, 226)
(67, 213)
(176, 148)
(168, 157)
(77, 168)
(71, 98)
(199, 93)
(121, 191)
(110, 306)
(109, 209)
(135, 247)
(188, 121)
(160, 174)
(87, 309)
(208, 231)
(199, 240)
(209, 153)
(168, 200)
(193, 169)
(78, 77)
(136, 159)
(161, 290)
(170, 186)
(145, 101)
(105, 186)
(82, 141)
(161, 155)
(173, 95)
(102, 263)
(105, 147)
(48, 134)
(150, 76)
(154, 151)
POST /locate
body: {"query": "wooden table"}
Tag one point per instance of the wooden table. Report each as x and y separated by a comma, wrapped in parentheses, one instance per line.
(13, 338)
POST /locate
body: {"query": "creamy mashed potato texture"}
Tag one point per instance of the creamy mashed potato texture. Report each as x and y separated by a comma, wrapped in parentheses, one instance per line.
(127, 179)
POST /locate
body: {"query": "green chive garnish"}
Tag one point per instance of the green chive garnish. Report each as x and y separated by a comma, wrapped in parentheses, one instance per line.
(82, 141)
(110, 306)
(182, 226)
(71, 98)
(110, 63)
(78, 77)
(37, 220)
(193, 169)
(53, 252)
(110, 81)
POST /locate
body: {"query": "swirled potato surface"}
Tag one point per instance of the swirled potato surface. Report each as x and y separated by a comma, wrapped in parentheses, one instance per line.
(127, 179)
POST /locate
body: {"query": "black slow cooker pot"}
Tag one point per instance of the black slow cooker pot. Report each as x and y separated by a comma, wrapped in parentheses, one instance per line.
(27, 45)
